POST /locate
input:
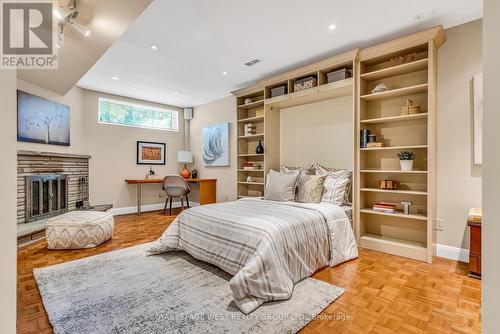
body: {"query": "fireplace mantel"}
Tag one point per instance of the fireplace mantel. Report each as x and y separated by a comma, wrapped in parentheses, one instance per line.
(53, 154)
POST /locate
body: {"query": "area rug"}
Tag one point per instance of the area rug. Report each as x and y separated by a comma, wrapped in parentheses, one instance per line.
(126, 292)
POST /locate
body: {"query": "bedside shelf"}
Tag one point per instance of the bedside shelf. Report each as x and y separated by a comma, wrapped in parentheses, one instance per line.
(393, 171)
(395, 119)
(397, 214)
(409, 147)
(252, 105)
(401, 247)
(414, 66)
(251, 119)
(395, 93)
(255, 136)
(405, 192)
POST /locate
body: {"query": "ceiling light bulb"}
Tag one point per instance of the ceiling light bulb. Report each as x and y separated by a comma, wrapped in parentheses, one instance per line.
(115, 78)
(80, 28)
(224, 73)
(154, 46)
(332, 27)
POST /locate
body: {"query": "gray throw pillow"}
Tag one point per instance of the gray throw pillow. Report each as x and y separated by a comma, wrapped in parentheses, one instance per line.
(280, 187)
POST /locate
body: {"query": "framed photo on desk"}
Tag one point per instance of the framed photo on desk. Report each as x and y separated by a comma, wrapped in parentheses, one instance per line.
(150, 153)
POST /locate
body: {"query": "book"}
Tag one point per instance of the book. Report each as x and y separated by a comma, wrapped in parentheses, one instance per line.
(374, 144)
(384, 210)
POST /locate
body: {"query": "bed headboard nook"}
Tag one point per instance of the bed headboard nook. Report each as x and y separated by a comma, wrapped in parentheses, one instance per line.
(315, 114)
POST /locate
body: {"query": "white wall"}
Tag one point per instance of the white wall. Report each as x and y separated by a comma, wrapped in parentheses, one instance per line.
(212, 113)
(458, 180)
(321, 132)
(8, 203)
(491, 167)
(112, 147)
(113, 150)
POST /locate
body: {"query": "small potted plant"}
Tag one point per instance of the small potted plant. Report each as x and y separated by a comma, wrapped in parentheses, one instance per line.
(406, 160)
(194, 173)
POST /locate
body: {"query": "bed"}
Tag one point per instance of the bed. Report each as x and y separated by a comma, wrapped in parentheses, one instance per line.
(267, 246)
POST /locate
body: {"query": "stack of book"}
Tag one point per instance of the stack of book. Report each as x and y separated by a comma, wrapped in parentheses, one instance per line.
(384, 207)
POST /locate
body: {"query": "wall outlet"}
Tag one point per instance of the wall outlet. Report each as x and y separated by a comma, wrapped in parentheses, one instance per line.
(439, 224)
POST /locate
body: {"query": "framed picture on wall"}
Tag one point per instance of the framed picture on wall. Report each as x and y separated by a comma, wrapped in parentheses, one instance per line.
(216, 145)
(150, 153)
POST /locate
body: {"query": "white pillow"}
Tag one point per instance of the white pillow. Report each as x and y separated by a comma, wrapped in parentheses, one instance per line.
(337, 185)
(280, 187)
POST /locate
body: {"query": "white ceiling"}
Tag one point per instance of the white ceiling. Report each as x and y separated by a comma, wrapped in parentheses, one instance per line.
(199, 39)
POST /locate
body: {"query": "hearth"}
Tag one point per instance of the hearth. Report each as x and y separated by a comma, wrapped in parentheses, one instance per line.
(46, 196)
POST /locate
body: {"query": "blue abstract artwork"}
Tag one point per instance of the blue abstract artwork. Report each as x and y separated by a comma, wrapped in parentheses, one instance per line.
(42, 121)
(216, 145)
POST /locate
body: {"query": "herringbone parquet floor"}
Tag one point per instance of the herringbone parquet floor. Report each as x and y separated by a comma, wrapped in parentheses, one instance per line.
(384, 293)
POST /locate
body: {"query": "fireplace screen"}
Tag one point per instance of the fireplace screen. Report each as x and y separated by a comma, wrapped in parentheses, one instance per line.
(46, 196)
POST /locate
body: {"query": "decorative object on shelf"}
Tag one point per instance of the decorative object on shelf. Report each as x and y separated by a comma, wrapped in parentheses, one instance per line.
(305, 83)
(388, 184)
(259, 149)
(259, 112)
(375, 144)
(150, 153)
(477, 83)
(252, 166)
(278, 90)
(406, 160)
(216, 145)
(42, 121)
(250, 129)
(406, 206)
(400, 60)
(381, 87)
(372, 138)
(364, 137)
(410, 108)
(249, 179)
(151, 174)
(248, 100)
(337, 75)
(384, 207)
(185, 157)
(194, 173)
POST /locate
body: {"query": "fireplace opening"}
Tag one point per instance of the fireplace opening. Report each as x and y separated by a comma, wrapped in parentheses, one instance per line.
(46, 196)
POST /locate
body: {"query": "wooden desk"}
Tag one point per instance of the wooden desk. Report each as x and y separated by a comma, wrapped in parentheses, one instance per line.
(208, 189)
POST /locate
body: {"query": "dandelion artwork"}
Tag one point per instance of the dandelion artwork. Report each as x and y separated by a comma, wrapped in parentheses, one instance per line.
(42, 121)
(216, 145)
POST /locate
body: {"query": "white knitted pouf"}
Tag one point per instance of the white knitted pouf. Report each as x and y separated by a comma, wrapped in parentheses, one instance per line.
(79, 229)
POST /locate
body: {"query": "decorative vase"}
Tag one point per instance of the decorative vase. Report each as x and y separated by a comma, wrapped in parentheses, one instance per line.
(259, 149)
(406, 164)
(185, 173)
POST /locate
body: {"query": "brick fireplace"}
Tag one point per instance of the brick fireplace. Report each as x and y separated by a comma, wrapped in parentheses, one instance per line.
(49, 184)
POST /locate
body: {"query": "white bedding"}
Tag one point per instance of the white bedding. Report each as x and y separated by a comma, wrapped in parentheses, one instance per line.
(268, 246)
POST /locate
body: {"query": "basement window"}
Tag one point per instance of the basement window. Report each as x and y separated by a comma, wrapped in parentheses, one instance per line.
(137, 115)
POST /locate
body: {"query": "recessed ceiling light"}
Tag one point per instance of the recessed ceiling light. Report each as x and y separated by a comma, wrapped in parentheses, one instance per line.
(332, 27)
(115, 78)
(176, 93)
(224, 73)
(154, 46)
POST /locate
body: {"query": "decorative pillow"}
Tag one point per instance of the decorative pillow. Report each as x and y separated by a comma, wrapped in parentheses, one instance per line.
(337, 185)
(310, 188)
(280, 187)
(308, 170)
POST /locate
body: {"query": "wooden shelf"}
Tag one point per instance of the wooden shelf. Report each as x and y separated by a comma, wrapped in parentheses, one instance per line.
(385, 148)
(252, 105)
(393, 171)
(395, 119)
(398, 214)
(255, 136)
(256, 183)
(396, 92)
(251, 119)
(250, 155)
(401, 247)
(251, 171)
(319, 93)
(414, 66)
(403, 192)
(241, 196)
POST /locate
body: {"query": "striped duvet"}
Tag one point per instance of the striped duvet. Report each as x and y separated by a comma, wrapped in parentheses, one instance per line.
(267, 246)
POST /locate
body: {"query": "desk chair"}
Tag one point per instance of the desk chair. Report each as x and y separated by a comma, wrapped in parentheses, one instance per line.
(175, 186)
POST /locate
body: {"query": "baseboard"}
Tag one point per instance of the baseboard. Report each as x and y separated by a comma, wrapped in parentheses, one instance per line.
(452, 253)
(145, 208)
